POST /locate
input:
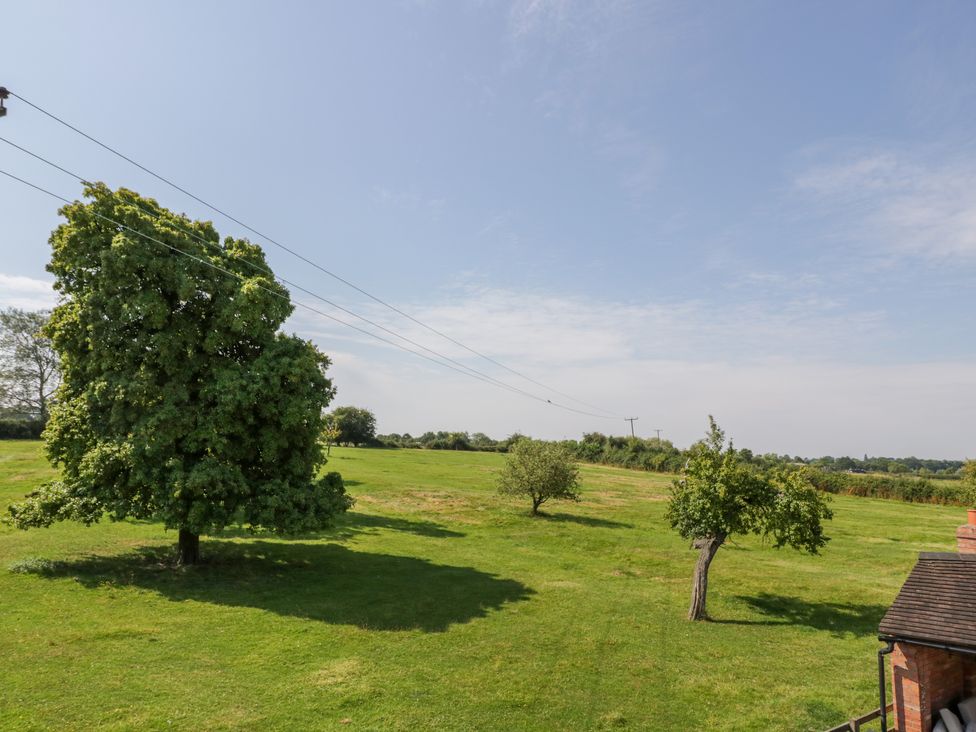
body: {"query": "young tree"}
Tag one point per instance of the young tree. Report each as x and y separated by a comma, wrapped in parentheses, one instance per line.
(180, 401)
(540, 470)
(29, 368)
(330, 435)
(719, 496)
(356, 426)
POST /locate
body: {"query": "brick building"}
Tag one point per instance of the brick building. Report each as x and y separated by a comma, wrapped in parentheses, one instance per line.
(931, 634)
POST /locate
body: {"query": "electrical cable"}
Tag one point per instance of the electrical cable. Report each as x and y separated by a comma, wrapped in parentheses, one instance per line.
(266, 270)
(300, 256)
(301, 304)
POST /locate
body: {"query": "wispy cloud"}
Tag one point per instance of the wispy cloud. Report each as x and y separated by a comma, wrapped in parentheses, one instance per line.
(796, 373)
(779, 377)
(529, 16)
(901, 204)
(27, 293)
(554, 328)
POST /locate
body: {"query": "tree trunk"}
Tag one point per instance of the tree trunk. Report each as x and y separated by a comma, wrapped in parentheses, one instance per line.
(536, 502)
(699, 587)
(189, 550)
(42, 401)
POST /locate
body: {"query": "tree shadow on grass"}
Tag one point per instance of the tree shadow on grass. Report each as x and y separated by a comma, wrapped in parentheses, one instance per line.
(584, 520)
(354, 523)
(324, 582)
(348, 525)
(839, 618)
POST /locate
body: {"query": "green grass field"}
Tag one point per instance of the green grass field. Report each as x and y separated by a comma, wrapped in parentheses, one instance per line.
(438, 605)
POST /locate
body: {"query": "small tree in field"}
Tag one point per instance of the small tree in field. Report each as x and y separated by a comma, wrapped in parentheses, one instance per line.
(330, 435)
(180, 399)
(541, 471)
(719, 496)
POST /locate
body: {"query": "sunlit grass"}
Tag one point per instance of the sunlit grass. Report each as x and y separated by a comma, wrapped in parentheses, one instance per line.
(438, 605)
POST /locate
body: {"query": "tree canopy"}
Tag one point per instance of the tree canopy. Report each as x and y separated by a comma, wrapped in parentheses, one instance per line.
(969, 476)
(718, 496)
(541, 471)
(180, 399)
(356, 426)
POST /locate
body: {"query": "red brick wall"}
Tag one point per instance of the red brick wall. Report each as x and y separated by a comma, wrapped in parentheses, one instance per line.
(966, 539)
(925, 680)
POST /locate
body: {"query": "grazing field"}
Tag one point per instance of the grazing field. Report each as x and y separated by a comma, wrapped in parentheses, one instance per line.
(438, 605)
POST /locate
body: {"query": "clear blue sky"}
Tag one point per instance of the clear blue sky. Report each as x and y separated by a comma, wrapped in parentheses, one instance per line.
(760, 210)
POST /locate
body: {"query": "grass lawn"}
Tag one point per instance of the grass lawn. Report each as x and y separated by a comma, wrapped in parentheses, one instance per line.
(438, 605)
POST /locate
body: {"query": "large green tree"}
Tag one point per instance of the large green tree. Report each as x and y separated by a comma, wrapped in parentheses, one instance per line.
(718, 496)
(180, 399)
(357, 426)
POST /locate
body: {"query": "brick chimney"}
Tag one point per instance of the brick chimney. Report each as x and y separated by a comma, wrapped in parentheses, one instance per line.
(966, 535)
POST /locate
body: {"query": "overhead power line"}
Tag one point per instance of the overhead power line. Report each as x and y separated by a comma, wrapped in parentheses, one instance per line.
(267, 271)
(177, 250)
(302, 257)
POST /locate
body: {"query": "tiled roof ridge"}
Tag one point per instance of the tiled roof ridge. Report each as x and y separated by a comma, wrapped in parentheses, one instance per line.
(946, 557)
(936, 602)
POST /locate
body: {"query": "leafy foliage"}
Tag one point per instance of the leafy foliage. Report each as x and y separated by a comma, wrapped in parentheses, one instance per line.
(20, 429)
(540, 470)
(719, 495)
(969, 475)
(907, 488)
(356, 426)
(180, 400)
(330, 435)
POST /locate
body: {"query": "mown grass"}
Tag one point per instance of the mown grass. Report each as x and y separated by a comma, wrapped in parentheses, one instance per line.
(438, 605)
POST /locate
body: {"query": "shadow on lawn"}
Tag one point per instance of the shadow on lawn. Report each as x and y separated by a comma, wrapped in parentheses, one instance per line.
(584, 520)
(354, 523)
(348, 525)
(323, 582)
(837, 617)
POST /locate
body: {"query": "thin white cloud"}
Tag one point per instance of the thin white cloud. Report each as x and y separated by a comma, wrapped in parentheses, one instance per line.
(783, 406)
(549, 328)
(901, 205)
(783, 376)
(528, 16)
(669, 363)
(537, 330)
(26, 293)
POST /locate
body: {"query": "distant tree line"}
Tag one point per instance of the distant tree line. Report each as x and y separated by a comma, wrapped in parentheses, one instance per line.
(951, 469)
(447, 441)
(911, 488)
(907, 479)
(662, 456)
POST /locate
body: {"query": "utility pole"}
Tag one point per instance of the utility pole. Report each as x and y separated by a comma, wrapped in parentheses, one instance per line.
(658, 435)
(631, 420)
